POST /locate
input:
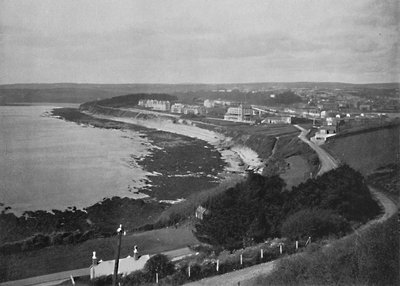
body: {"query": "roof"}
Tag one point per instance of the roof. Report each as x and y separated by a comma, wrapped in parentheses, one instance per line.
(200, 209)
(126, 265)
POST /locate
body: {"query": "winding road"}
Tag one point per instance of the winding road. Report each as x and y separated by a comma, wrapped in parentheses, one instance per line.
(327, 161)
(248, 276)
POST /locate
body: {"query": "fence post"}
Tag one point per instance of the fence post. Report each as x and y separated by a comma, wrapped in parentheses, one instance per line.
(308, 240)
(262, 253)
(241, 259)
(280, 248)
(157, 277)
(189, 271)
(297, 244)
(217, 265)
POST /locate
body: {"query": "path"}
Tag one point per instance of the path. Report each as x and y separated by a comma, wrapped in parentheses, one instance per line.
(244, 276)
(327, 161)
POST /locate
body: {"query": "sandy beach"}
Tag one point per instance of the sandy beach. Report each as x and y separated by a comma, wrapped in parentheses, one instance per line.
(234, 155)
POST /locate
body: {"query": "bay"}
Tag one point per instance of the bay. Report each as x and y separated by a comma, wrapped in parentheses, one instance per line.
(47, 163)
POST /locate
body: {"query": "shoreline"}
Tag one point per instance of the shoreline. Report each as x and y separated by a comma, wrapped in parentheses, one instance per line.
(236, 156)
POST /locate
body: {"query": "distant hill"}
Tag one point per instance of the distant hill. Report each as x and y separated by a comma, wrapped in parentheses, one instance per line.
(79, 93)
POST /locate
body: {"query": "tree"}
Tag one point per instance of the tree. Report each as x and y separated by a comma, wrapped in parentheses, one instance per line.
(160, 264)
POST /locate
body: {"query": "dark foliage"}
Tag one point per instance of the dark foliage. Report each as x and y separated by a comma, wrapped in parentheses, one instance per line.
(316, 223)
(256, 209)
(160, 264)
(250, 209)
(342, 190)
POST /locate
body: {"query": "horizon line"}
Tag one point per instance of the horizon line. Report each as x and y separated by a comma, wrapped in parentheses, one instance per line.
(193, 83)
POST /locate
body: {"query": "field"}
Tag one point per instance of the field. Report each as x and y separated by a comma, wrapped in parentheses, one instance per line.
(367, 151)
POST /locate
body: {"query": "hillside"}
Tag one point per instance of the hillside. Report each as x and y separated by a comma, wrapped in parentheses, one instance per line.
(79, 93)
(367, 151)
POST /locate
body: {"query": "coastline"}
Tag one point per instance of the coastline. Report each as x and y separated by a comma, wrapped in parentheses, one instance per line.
(236, 156)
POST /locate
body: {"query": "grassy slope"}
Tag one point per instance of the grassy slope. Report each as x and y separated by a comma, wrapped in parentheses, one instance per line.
(62, 258)
(367, 151)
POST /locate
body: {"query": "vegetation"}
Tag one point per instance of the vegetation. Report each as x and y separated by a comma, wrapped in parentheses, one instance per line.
(160, 264)
(387, 178)
(371, 258)
(129, 100)
(38, 229)
(260, 208)
(314, 223)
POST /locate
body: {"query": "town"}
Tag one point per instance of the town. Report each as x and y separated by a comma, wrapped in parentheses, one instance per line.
(331, 111)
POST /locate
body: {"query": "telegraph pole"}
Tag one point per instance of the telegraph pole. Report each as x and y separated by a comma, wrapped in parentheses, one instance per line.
(120, 232)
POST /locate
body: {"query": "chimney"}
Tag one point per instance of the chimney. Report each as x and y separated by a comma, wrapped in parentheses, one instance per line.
(94, 259)
(135, 253)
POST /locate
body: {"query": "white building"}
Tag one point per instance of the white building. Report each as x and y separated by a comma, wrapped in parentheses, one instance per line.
(126, 265)
(240, 113)
(161, 105)
(177, 108)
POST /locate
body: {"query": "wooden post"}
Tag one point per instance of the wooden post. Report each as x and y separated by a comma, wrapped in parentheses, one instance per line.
(308, 240)
(297, 244)
(262, 253)
(120, 231)
(157, 277)
(280, 248)
(189, 271)
(241, 259)
(217, 265)
(72, 280)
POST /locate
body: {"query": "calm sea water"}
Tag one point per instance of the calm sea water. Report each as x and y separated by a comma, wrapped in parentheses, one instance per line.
(47, 163)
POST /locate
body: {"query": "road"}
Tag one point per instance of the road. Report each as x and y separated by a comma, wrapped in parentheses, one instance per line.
(244, 276)
(56, 278)
(248, 276)
(327, 161)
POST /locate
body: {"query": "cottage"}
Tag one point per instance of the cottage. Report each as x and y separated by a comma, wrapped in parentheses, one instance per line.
(200, 212)
(126, 265)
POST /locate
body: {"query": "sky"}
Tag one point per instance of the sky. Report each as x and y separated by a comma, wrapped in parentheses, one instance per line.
(202, 41)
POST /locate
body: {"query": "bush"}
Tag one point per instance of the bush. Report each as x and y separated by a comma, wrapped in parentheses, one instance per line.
(316, 223)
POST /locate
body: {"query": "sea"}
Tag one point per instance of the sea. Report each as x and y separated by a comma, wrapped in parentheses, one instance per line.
(47, 163)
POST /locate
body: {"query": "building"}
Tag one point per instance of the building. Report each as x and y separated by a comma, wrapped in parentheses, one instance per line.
(177, 108)
(328, 129)
(277, 120)
(194, 109)
(126, 265)
(240, 113)
(209, 103)
(188, 109)
(323, 133)
(200, 212)
(161, 105)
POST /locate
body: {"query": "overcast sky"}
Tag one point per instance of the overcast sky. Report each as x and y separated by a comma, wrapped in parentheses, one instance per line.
(199, 41)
